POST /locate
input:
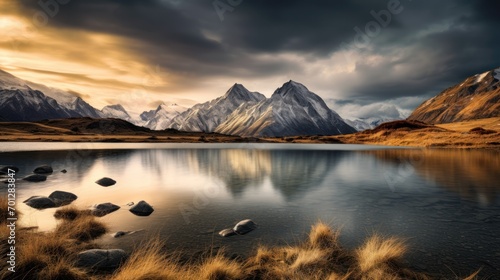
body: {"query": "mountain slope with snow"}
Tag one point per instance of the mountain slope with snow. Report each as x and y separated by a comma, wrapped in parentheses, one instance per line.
(477, 97)
(206, 117)
(161, 118)
(291, 110)
(26, 101)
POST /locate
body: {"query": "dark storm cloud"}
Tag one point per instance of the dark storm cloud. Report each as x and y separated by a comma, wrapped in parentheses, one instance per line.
(425, 48)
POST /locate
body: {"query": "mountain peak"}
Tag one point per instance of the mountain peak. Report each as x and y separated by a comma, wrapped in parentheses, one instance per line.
(237, 90)
(291, 88)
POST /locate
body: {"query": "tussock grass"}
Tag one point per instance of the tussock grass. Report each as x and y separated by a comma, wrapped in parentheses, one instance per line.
(220, 268)
(377, 252)
(149, 261)
(50, 255)
(71, 213)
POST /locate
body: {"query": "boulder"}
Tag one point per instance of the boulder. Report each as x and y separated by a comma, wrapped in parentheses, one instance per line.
(101, 258)
(244, 227)
(103, 209)
(40, 202)
(106, 182)
(62, 198)
(227, 232)
(64, 171)
(35, 178)
(142, 208)
(44, 169)
(240, 228)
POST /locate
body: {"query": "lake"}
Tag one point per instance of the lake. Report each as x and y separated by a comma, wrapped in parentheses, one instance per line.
(444, 203)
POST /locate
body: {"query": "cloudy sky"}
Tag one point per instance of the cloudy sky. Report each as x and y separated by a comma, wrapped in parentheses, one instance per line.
(369, 56)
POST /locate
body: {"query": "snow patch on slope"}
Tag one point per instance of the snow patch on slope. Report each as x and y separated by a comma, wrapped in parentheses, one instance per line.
(481, 77)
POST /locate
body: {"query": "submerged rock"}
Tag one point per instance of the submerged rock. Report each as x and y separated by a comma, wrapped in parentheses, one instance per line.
(142, 208)
(62, 198)
(227, 232)
(103, 209)
(105, 182)
(40, 202)
(35, 178)
(241, 228)
(101, 259)
(244, 227)
(44, 169)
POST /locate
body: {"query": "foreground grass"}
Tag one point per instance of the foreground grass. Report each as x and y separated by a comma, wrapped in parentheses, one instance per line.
(52, 256)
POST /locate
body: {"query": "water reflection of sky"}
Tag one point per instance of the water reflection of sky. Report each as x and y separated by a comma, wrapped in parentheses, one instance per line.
(445, 202)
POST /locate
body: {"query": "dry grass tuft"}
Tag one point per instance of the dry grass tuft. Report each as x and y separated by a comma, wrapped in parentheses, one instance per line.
(220, 268)
(323, 236)
(85, 228)
(71, 213)
(148, 262)
(378, 252)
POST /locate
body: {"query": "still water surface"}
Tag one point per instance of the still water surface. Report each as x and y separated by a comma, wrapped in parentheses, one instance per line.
(445, 203)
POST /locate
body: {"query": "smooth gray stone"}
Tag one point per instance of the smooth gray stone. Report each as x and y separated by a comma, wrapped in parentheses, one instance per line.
(227, 232)
(40, 202)
(241, 228)
(44, 169)
(62, 198)
(101, 258)
(142, 208)
(244, 227)
(35, 178)
(103, 209)
(105, 182)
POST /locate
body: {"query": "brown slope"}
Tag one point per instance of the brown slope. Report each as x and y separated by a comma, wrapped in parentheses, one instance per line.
(478, 97)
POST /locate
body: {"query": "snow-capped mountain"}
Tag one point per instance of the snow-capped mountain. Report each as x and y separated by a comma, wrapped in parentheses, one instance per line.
(30, 105)
(115, 112)
(83, 108)
(361, 124)
(291, 110)
(26, 101)
(161, 118)
(207, 116)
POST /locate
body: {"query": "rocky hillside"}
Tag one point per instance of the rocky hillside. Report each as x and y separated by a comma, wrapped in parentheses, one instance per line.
(477, 97)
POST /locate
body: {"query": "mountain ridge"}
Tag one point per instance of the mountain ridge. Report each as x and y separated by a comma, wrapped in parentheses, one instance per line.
(477, 97)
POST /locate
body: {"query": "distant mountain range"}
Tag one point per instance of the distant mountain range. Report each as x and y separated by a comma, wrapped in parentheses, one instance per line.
(26, 101)
(477, 97)
(291, 110)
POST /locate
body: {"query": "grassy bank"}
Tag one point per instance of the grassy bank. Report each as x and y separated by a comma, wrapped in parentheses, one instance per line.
(52, 255)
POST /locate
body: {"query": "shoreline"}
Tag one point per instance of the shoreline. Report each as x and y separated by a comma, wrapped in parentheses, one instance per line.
(320, 254)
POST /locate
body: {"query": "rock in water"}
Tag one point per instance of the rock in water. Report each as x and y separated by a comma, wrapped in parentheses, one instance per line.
(101, 259)
(142, 208)
(103, 209)
(244, 227)
(35, 178)
(62, 198)
(227, 232)
(106, 182)
(44, 169)
(64, 171)
(240, 228)
(40, 202)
